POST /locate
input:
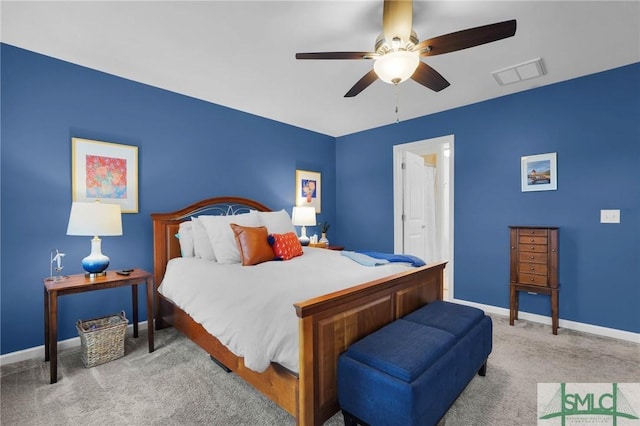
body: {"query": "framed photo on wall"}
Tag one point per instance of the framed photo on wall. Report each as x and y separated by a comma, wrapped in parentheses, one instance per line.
(105, 171)
(308, 189)
(539, 172)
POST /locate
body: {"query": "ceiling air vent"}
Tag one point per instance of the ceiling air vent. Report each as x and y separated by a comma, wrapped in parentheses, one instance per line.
(516, 73)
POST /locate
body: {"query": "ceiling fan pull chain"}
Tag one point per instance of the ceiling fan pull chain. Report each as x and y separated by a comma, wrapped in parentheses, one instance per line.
(397, 89)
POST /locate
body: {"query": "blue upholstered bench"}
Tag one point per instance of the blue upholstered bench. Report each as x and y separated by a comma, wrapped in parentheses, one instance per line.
(412, 370)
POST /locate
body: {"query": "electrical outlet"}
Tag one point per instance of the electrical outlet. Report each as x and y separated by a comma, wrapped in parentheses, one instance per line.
(610, 216)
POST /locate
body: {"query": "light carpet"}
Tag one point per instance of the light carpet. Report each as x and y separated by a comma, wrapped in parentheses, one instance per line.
(179, 385)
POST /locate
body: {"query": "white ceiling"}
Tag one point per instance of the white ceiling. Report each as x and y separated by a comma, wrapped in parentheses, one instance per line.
(240, 54)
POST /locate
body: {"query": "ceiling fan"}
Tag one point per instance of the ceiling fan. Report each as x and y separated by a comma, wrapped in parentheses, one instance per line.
(397, 50)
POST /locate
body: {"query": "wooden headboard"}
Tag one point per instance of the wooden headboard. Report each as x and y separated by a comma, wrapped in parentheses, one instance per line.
(165, 226)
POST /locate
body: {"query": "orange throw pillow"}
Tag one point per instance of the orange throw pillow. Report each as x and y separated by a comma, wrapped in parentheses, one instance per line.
(252, 244)
(285, 246)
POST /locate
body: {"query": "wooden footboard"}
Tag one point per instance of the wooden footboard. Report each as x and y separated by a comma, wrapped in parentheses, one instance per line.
(327, 324)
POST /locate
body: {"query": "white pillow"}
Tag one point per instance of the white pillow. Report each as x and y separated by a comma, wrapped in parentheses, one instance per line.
(277, 222)
(201, 243)
(185, 236)
(221, 235)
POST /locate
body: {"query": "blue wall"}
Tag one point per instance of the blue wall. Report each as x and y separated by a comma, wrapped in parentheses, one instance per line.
(592, 123)
(188, 150)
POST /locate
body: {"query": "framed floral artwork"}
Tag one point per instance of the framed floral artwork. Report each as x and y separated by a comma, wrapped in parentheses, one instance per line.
(308, 189)
(539, 172)
(105, 171)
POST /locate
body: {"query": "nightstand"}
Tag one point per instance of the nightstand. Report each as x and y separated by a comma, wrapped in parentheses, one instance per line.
(80, 284)
(318, 245)
(324, 245)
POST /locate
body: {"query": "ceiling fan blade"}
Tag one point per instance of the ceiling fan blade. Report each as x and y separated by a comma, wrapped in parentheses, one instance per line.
(466, 38)
(397, 19)
(429, 77)
(362, 84)
(336, 55)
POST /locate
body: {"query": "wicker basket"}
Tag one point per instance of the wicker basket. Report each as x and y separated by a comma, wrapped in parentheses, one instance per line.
(102, 339)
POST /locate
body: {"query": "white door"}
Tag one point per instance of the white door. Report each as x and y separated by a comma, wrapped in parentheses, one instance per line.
(414, 188)
(443, 147)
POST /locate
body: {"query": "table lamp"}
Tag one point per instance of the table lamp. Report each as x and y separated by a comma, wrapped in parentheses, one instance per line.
(304, 216)
(94, 219)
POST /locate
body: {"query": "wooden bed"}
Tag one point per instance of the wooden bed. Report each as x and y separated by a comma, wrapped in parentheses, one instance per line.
(327, 324)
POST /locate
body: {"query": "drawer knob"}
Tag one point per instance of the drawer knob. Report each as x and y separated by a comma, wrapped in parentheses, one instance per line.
(530, 279)
(532, 247)
(532, 240)
(532, 268)
(530, 257)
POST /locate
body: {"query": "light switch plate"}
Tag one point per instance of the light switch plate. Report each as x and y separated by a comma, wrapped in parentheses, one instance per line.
(610, 216)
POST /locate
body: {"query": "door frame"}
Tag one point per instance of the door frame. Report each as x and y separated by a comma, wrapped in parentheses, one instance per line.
(423, 147)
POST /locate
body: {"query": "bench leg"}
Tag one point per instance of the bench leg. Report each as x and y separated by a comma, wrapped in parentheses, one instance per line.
(483, 370)
(351, 420)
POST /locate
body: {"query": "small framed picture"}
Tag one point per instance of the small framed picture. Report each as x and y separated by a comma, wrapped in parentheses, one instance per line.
(105, 171)
(539, 172)
(308, 189)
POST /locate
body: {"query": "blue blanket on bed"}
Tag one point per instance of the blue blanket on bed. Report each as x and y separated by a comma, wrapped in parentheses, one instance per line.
(374, 258)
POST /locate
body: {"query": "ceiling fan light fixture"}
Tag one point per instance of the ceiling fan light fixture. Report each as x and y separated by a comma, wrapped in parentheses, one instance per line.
(396, 67)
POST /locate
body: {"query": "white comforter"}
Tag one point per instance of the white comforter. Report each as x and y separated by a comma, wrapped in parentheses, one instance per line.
(250, 308)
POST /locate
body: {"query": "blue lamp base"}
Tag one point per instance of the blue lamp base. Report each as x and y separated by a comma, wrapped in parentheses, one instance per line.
(96, 263)
(304, 240)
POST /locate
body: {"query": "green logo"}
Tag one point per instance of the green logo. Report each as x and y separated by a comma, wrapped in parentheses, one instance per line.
(588, 403)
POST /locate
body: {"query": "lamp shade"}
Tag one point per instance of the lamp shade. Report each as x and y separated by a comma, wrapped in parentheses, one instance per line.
(95, 219)
(304, 216)
(397, 66)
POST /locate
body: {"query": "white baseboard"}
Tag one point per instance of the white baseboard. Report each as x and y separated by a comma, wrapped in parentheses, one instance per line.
(571, 325)
(38, 351)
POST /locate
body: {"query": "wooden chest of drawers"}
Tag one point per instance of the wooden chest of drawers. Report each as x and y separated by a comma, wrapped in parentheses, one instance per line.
(534, 266)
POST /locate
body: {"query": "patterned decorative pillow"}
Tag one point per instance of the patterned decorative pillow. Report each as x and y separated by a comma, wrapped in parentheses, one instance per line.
(285, 246)
(252, 244)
